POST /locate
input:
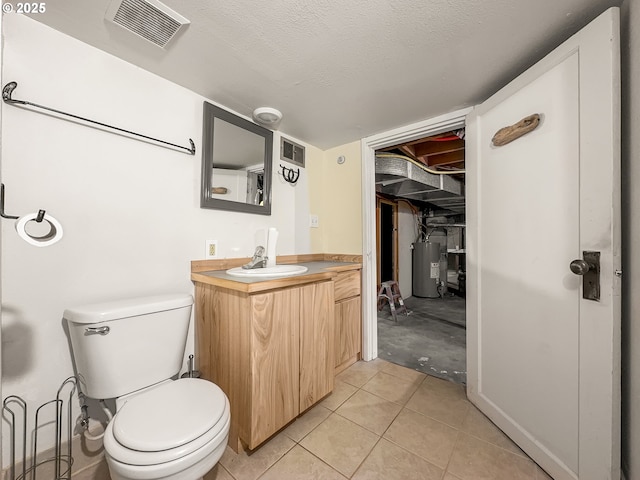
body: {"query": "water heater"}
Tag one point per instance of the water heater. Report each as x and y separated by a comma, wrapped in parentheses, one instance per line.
(426, 269)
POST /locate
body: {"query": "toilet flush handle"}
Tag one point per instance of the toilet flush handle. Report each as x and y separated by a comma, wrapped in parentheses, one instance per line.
(96, 330)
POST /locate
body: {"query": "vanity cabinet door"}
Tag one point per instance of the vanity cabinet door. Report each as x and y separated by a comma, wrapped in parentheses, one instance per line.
(347, 329)
(316, 343)
(275, 362)
(348, 319)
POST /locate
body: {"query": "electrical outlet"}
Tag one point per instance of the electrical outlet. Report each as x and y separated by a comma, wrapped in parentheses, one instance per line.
(313, 221)
(211, 250)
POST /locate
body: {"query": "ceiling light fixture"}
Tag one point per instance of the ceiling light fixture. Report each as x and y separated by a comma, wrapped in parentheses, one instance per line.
(267, 117)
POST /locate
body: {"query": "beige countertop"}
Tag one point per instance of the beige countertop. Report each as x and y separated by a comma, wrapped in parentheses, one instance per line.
(316, 271)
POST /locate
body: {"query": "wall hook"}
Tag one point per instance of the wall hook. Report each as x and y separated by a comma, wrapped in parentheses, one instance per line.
(289, 175)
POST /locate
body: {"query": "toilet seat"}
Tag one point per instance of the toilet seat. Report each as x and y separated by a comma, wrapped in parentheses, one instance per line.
(167, 422)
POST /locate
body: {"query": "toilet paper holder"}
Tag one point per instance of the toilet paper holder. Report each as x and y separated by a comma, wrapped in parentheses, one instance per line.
(39, 218)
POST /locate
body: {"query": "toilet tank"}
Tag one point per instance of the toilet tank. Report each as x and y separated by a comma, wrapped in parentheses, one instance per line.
(123, 346)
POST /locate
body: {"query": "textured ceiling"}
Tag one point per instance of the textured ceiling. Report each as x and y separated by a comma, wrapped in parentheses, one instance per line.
(340, 70)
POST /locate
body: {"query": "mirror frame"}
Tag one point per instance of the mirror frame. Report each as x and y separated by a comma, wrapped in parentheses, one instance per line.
(210, 113)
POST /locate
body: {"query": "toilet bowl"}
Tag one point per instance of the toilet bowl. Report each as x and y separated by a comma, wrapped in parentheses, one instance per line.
(176, 430)
(132, 350)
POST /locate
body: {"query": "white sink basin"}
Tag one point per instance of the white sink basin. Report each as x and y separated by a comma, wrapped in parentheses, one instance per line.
(275, 271)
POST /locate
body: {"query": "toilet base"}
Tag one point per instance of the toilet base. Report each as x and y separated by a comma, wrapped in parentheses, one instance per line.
(170, 470)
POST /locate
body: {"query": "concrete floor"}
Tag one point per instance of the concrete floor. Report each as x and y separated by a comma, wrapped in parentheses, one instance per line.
(431, 339)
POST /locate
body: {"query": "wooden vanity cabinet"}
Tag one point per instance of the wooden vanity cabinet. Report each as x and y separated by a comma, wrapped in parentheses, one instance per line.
(348, 319)
(271, 352)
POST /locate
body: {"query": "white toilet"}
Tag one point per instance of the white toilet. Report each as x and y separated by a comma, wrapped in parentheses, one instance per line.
(130, 350)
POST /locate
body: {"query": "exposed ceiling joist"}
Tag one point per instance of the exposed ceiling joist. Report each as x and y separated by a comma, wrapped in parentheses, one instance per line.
(448, 159)
(444, 151)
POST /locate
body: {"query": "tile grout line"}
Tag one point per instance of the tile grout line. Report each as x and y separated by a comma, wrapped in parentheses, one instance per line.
(377, 396)
(350, 421)
(331, 412)
(297, 444)
(402, 407)
(365, 458)
(455, 445)
(358, 389)
(327, 464)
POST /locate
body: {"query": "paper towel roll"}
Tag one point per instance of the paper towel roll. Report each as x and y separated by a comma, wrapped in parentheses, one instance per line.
(54, 235)
(272, 240)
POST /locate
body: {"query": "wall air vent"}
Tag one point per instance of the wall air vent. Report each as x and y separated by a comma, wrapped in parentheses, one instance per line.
(148, 19)
(291, 152)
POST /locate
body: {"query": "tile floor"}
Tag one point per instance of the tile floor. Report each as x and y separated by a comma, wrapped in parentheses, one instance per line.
(385, 421)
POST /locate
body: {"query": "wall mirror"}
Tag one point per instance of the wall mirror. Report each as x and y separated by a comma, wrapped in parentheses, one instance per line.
(236, 163)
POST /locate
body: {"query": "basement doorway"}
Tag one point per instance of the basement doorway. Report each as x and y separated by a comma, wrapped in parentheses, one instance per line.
(420, 245)
(386, 239)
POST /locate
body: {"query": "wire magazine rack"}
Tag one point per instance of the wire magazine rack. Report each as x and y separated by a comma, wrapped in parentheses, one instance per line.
(15, 412)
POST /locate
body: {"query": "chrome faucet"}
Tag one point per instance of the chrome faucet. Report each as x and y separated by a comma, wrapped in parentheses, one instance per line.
(259, 260)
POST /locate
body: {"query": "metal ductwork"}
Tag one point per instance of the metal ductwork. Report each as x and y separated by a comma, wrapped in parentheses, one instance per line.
(398, 176)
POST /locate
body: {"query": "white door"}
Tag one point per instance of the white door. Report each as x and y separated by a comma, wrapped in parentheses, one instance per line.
(543, 363)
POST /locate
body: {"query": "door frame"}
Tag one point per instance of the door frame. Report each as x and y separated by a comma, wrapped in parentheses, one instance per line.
(369, 145)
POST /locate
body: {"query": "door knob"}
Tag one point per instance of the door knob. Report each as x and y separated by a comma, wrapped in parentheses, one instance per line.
(579, 267)
(588, 268)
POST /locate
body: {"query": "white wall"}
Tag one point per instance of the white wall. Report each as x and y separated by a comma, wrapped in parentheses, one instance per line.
(130, 210)
(630, 47)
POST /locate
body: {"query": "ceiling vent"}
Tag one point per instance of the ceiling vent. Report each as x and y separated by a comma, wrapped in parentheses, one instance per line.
(291, 152)
(148, 19)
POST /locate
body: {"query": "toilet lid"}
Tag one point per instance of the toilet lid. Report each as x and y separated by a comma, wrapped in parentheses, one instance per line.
(169, 416)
